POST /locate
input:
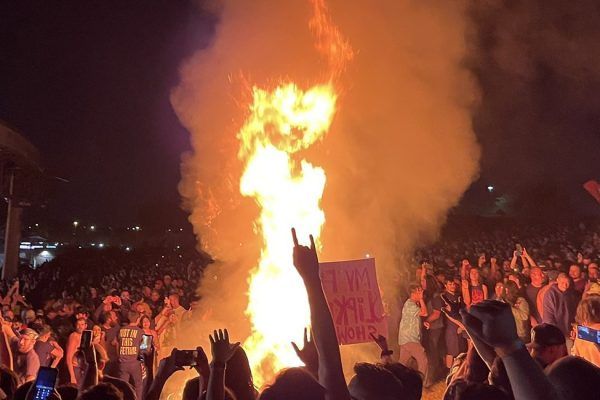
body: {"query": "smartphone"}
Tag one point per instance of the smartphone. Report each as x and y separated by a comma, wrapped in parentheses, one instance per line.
(86, 339)
(146, 344)
(185, 358)
(45, 383)
(588, 334)
(519, 249)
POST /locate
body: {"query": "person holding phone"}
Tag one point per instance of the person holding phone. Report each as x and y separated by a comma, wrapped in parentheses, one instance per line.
(588, 316)
(129, 339)
(73, 342)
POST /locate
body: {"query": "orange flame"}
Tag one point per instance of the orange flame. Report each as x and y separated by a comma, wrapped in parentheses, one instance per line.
(282, 122)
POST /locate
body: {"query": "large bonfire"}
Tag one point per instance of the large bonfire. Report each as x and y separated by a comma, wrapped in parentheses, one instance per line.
(282, 121)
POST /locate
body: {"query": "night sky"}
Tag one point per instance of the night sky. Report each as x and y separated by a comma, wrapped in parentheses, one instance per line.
(88, 83)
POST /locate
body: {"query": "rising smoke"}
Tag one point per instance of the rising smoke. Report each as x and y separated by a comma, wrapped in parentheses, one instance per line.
(400, 153)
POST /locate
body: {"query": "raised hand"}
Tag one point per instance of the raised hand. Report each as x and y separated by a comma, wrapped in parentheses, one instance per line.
(381, 342)
(168, 366)
(308, 354)
(493, 323)
(306, 260)
(452, 309)
(221, 349)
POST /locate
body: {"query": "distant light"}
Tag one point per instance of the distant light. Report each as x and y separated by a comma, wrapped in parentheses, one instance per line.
(178, 246)
(367, 255)
(75, 224)
(180, 229)
(45, 253)
(490, 188)
(127, 248)
(93, 244)
(93, 228)
(137, 228)
(101, 245)
(37, 224)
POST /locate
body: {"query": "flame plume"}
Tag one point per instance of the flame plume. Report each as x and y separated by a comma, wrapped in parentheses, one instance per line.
(281, 123)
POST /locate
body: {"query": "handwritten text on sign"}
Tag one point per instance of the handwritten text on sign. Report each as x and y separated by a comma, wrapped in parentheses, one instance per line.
(354, 300)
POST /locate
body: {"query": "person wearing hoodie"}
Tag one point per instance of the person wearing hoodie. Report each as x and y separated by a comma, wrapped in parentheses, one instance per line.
(560, 304)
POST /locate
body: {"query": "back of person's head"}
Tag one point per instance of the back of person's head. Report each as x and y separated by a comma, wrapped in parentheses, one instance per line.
(238, 376)
(511, 291)
(133, 316)
(412, 380)
(573, 378)
(588, 311)
(8, 382)
(191, 389)
(499, 377)
(477, 370)
(21, 392)
(102, 391)
(294, 384)
(372, 381)
(479, 391)
(228, 395)
(68, 392)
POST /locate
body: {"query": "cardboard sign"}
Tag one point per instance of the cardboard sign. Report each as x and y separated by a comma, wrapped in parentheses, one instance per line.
(354, 299)
(593, 188)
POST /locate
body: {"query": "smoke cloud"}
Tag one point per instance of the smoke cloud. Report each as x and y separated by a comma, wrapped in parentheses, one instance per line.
(536, 65)
(400, 153)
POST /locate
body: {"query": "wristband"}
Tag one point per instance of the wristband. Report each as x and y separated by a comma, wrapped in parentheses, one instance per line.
(385, 353)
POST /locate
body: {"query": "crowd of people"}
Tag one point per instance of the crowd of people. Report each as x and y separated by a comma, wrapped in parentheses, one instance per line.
(496, 313)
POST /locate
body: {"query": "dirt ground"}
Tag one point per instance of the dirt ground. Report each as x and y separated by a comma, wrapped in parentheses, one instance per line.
(435, 392)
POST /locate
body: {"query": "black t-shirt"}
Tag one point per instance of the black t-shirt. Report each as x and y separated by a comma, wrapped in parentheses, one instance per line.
(437, 303)
(531, 293)
(129, 339)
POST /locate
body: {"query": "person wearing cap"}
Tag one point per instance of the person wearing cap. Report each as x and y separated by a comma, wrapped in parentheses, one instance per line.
(24, 359)
(548, 344)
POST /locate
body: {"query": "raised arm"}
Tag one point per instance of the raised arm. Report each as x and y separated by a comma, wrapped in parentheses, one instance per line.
(492, 322)
(513, 261)
(222, 351)
(166, 368)
(527, 257)
(331, 375)
(466, 294)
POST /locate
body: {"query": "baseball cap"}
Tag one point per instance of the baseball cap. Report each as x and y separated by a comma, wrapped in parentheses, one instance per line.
(544, 335)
